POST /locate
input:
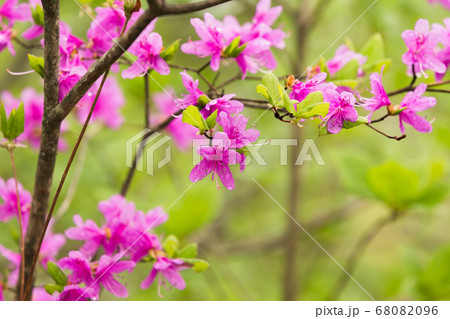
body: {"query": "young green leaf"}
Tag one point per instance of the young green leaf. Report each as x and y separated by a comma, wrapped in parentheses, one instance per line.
(232, 47)
(199, 265)
(3, 120)
(57, 274)
(192, 116)
(52, 288)
(170, 245)
(169, 53)
(37, 64)
(188, 251)
(211, 120)
(361, 120)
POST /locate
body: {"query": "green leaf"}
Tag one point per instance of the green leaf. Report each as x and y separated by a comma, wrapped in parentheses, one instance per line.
(211, 120)
(169, 53)
(199, 265)
(312, 104)
(270, 81)
(315, 110)
(188, 251)
(57, 274)
(37, 64)
(192, 116)
(232, 47)
(238, 50)
(376, 66)
(361, 120)
(38, 15)
(3, 120)
(373, 49)
(262, 90)
(393, 184)
(18, 125)
(289, 104)
(348, 72)
(170, 245)
(203, 100)
(52, 288)
(350, 83)
(349, 43)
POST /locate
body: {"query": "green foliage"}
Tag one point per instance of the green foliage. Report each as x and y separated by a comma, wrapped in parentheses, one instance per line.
(348, 71)
(272, 90)
(375, 51)
(57, 274)
(192, 116)
(234, 49)
(170, 245)
(188, 251)
(432, 282)
(199, 265)
(37, 64)
(169, 53)
(13, 126)
(38, 15)
(312, 106)
(52, 288)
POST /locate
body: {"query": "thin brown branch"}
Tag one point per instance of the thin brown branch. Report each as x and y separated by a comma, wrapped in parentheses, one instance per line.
(171, 9)
(397, 138)
(358, 251)
(19, 212)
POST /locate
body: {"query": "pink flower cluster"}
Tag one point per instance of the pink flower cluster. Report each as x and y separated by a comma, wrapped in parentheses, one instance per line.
(9, 210)
(422, 48)
(445, 3)
(256, 38)
(223, 149)
(121, 241)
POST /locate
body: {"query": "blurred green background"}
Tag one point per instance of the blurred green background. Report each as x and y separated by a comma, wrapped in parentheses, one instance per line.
(242, 232)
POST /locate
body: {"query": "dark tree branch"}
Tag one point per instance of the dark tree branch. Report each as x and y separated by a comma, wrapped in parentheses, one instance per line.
(49, 138)
(170, 9)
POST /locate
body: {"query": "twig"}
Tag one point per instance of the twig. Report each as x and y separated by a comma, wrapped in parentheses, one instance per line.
(380, 119)
(19, 211)
(397, 138)
(357, 253)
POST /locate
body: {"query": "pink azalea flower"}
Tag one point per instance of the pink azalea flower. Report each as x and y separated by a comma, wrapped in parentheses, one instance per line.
(421, 45)
(107, 26)
(8, 195)
(6, 40)
(39, 294)
(265, 14)
(1, 292)
(211, 42)
(443, 54)
(117, 207)
(415, 102)
(69, 46)
(341, 109)
(14, 260)
(92, 235)
(33, 32)
(182, 133)
(147, 49)
(76, 293)
(379, 98)
(153, 218)
(343, 56)
(104, 275)
(193, 91)
(50, 247)
(216, 160)
(300, 90)
(223, 104)
(13, 11)
(169, 269)
(234, 127)
(109, 103)
(256, 56)
(80, 267)
(445, 3)
(140, 243)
